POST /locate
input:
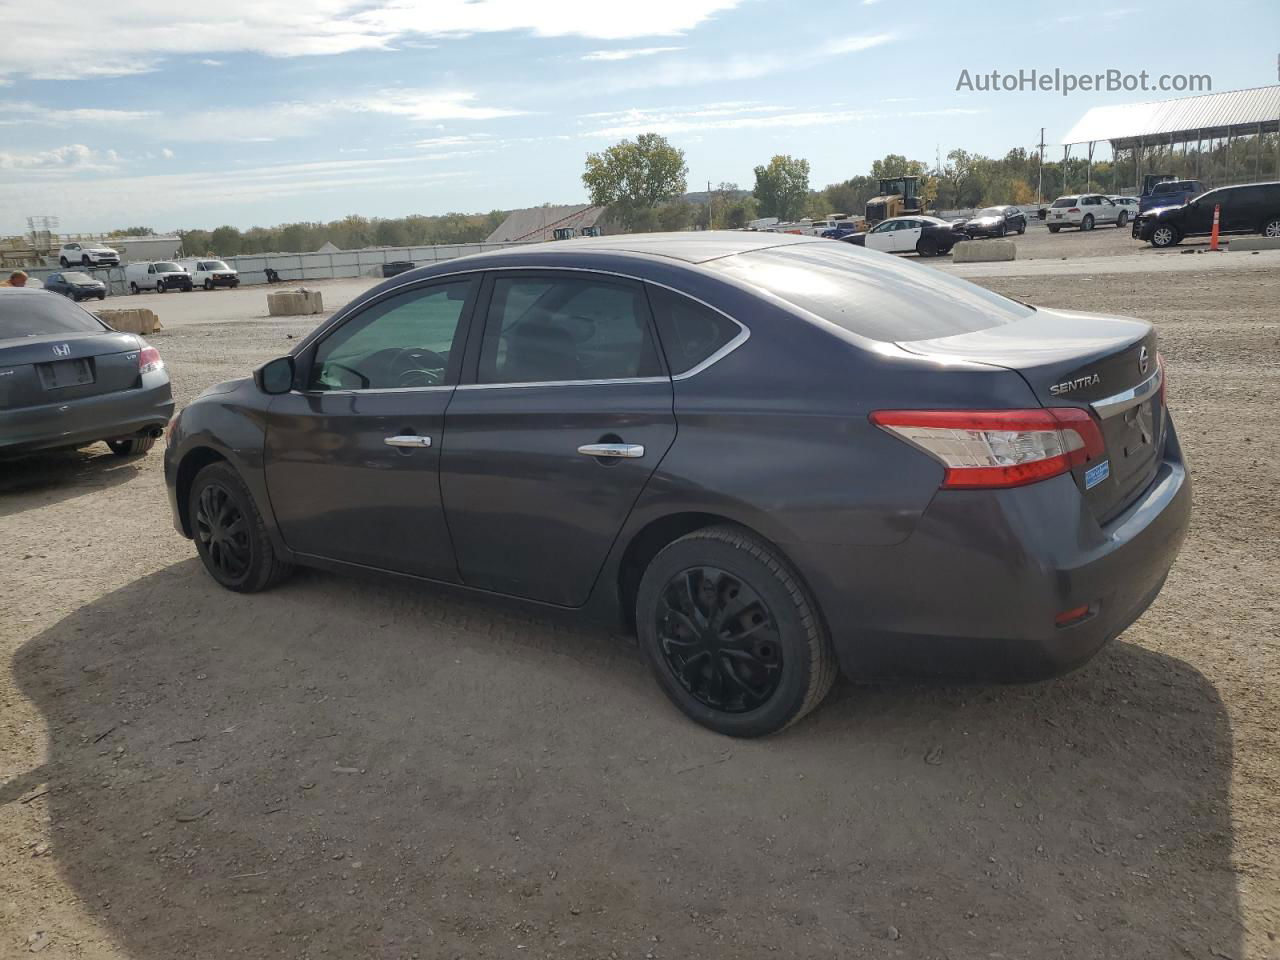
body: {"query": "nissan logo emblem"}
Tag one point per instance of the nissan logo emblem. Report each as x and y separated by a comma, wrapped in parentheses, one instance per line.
(1144, 360)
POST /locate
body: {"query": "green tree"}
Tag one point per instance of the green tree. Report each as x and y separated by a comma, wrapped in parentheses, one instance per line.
(134, 232)
(634, 176)
(391, 233)
(225, 241)
(782, 187)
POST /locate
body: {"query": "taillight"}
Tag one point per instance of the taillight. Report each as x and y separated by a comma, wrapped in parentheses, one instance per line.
(1074, 210)
(998, 448)
(149, 360)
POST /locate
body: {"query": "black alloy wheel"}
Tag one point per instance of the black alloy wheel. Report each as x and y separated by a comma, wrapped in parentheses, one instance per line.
(222, 529)
(719, 639)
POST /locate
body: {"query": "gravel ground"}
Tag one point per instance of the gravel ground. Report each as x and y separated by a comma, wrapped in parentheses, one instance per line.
(345, 768)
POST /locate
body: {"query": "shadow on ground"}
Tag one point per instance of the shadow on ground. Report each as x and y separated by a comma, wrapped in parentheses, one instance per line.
(47, 478)
(364, 770)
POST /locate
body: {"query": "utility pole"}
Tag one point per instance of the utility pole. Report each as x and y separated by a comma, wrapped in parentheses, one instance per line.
(1040, 173)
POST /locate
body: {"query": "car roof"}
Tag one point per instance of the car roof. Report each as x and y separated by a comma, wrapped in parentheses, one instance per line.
(691, 246)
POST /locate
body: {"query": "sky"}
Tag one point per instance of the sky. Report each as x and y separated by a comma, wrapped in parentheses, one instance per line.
(258, 112)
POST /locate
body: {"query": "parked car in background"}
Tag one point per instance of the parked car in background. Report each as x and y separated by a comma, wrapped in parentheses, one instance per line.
(1246, 208)
(1169, 193)
(78, 286)
(1130, 204)
(208, 273)
(67, 379)
(927, 236)
(160, 276)
(87, 255)
(774, 458)
(1086, 211)
(995, 222)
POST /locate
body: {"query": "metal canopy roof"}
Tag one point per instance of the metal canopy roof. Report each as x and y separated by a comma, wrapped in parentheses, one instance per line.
(1234, 113)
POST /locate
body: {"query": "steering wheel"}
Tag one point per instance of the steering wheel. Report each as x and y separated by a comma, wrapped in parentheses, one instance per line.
(417, 367)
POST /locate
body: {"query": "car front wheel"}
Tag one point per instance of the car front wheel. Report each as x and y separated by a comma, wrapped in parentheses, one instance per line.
(731, 634)
(230, 535)
(1164, 236)
(1122, 219)
(1271, 228)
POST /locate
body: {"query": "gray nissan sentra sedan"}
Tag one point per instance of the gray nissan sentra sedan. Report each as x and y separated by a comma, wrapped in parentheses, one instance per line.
(67, 379)
(774, 457)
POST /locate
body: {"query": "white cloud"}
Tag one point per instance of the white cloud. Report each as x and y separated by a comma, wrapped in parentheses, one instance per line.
(166, 153)
(74, 158)
(210, 62)
(59, 116)
(126, 36)
(629, 53)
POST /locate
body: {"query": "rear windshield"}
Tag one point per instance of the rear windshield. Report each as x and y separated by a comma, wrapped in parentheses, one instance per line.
(881, 298)
(40, 314)
(1065, 202)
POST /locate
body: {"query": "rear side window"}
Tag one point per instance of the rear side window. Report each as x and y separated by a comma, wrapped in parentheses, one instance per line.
(872, 296)
(690, 332)
(41, 314)
(554, 328)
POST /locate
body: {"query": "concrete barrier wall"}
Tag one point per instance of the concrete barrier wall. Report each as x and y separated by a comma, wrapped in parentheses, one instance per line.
(983, 251)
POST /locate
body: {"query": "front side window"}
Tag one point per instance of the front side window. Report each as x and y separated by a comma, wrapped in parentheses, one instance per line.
(401, 342)
(543, 329)
(885, 227)
(690, 332)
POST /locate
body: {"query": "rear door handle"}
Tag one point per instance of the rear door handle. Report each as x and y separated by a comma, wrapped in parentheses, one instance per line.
(407, 440)
(628, 450)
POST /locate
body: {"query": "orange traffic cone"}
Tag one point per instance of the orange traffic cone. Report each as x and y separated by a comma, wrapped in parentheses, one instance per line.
(1213, 235)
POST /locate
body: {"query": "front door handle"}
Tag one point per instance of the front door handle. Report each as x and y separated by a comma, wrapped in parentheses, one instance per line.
(407, 440)
(628, 450)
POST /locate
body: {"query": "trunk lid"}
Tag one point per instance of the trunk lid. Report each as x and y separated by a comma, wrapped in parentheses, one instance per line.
(55, 368)
(1105, 365)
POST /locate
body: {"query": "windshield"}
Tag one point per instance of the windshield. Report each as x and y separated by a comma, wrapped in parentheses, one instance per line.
(40, 314)
(214, 265)
(878, 297)
(78, 278)
(165, 267)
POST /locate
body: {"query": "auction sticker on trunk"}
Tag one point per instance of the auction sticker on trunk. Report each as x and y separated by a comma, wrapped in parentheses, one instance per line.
(1096, 474)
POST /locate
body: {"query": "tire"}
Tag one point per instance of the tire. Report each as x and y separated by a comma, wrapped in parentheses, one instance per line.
(1122, 219)
(132, 447)
(733, 688)
(159, 286)
(133, 287)
(64, 262)
(1054, 229)
(1164, 236)
(1022, 228)
(84, 261)
(230, 516)
(102, 296)
(1087, 222)
(208, 284)
(1002, 231)
(927, 248)
(1271, 228)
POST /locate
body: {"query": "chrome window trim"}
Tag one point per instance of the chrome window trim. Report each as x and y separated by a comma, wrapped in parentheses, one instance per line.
(1122, 401)
(744, 332)
(356, 392)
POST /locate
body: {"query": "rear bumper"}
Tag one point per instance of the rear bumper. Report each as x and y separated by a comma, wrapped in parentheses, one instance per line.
(973, 592)
(79, 422)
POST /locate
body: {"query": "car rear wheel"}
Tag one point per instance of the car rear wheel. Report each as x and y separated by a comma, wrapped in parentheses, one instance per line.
(927, 247)
(64, 262)
(1164, 236)
(230, 535)
(731, 634)
(133, 287)
(1087, 222)
(132, 446)
(1054, 229)
(1271, 228)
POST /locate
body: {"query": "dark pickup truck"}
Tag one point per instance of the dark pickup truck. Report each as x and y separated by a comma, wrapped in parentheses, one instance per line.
(1167, 193)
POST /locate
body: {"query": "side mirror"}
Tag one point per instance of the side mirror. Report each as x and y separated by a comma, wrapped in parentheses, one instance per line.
(275, 376)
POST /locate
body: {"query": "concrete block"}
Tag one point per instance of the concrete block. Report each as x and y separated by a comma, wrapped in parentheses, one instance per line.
(130, 321)
(1236, 244)
(983, 251)
(294, 303)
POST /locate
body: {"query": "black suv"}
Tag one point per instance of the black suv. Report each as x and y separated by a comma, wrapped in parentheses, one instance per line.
(1247, 208)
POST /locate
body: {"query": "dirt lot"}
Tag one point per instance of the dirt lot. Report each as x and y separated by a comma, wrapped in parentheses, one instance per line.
(343, 768)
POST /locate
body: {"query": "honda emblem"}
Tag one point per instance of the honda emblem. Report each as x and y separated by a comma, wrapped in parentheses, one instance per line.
(62, 350)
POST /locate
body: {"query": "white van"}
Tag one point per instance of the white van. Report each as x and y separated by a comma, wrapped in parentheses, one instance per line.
(159, 276)
(209, 273)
